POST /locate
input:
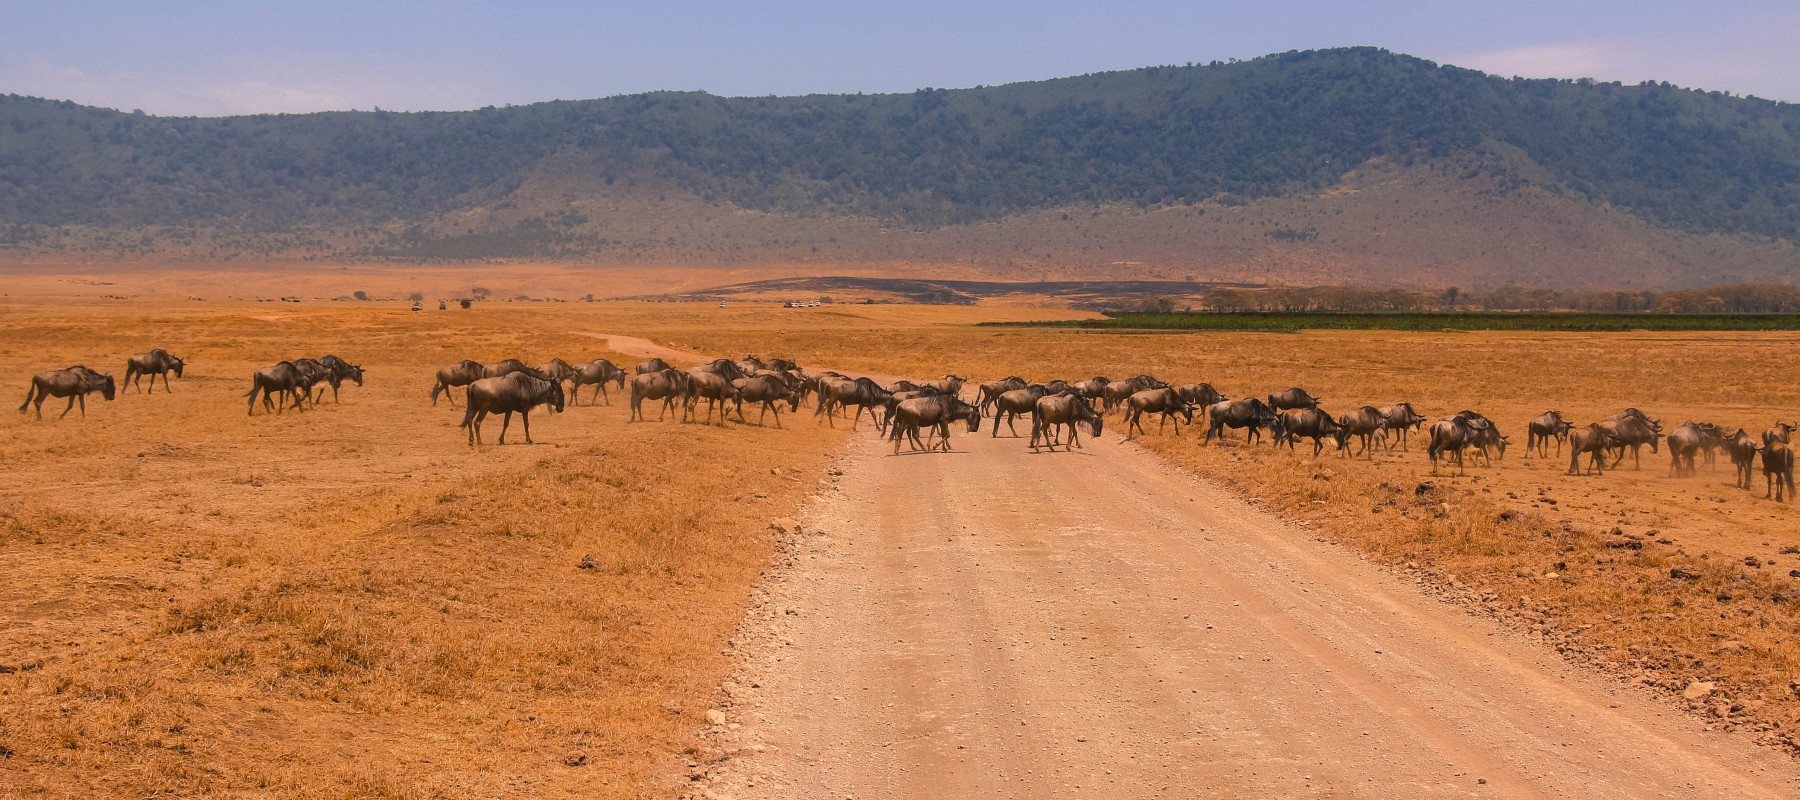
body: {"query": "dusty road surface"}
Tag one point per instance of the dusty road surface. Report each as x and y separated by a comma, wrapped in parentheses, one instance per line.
(993, 623)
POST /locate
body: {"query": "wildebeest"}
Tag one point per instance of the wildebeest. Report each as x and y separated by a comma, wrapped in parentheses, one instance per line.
(1779, 432)
(1450, 435)
(1092, 388)
(861, 392)
(1362, 423)
(1055, 411)
(1248, 413)
(286, 378)
(1013, 403)
(1591, 439)
(713, 387)
(1547, 427)
(1200, 395)
(337, 371)
(1487, 440)
(1293, 398)
(988, 392)
(1778, 470)
(557, 370)
(936, 411)
(653, 365)
(515, 391)
(156, 362)
(509, 366)
(765, 388)
(1166, 402)
(1630, 428)
(667, 385)
(899, 392)
(1742, 449)
(723, 367)
(74, 383)
(1310, 423)
(1401, 418)
(950, 385)
(1686, 441)
(1115, 394)
(451, 376)
(596, 373)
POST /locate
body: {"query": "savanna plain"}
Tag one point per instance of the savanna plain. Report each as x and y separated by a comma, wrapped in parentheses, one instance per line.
(353, 602)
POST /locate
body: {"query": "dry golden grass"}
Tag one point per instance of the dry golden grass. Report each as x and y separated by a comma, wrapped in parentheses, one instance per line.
(351, 602)
(1586, 561)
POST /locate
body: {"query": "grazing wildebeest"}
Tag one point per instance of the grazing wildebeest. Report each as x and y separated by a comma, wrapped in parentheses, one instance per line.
(1742, 448)
(1293, 398)
(509, 366)
(1548, 426)
(653, 365)
(1779, 432)
(988, 392)
(156, 362)
(1362, 423)
(285, 377)
(1057, 410)
(667, 385)
(1591, 439)
(74, 383)
(516, 391)
(1686, 441)
(1630, 428)
(1166, 402)
(596, 373)
(1310, 423)
(1248, 413)
(1093, 388)
(765, 387)
(338, 371)
(710, 386)
(1451, 435)
(1778, 470)
(1013, 403)
(448, 377)
(863, 393)
(1200, 395)
(1401, 418)
(1114, 394)
(936, 411)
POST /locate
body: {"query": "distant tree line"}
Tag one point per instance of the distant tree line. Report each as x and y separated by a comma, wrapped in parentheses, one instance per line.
(1747, 298)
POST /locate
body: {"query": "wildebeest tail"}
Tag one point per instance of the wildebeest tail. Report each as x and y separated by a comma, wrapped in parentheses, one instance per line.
(29, 393)
(468, 406)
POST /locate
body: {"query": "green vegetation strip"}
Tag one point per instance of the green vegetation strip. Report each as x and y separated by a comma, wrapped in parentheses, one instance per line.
(1417, 321)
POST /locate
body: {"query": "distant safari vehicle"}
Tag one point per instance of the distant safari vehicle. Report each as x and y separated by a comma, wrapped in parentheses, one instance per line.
(721, 303)
(417, 306)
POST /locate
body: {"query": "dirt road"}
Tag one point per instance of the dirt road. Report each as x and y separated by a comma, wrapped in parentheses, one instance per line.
(990, 623)
(994, 623)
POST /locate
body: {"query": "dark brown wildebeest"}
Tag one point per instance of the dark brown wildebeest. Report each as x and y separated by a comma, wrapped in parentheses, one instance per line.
(1018, 401)
(1166, 402)
(653, 365)
(667, 386)
(710, 386)
(1310, 423)
(1548, 426)
(1779, 432)
(1057, 410)
(722, 367)
(863, 393)
(1200, 395)
(74, 383)
(1488, 440)
(596, 373)
(454, 375)
(312, 373)
(338, 371)
(750, 365)
(1630, 428)
(1686, 441)
(1451, 435)
(504, 367)
(1778, 470)
(765, 388)
(1093, 388)
(1058, 387)
(516, 391)
(988, 392)
(815, 384)
(950, 384)
(782, 365)
(285, 378)
(936, 411)
(1362, 423)
(1249, 413)
(1114, 394)
(156, 362)
(899, 392)
(1401, 418)
(1742, 449)
(557, 370)
(1293, 398)
(1591, 439)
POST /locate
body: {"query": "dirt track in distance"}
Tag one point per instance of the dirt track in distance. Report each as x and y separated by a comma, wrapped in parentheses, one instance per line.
(989, 623)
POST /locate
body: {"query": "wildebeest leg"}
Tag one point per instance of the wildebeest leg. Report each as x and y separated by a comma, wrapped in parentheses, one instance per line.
(525, 417)
(504, 422)
(71, 406)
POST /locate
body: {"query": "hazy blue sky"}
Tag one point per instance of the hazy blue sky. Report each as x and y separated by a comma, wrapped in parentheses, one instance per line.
(232, 57)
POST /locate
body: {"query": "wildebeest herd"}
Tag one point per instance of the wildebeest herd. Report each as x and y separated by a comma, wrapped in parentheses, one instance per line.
(921, 414)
